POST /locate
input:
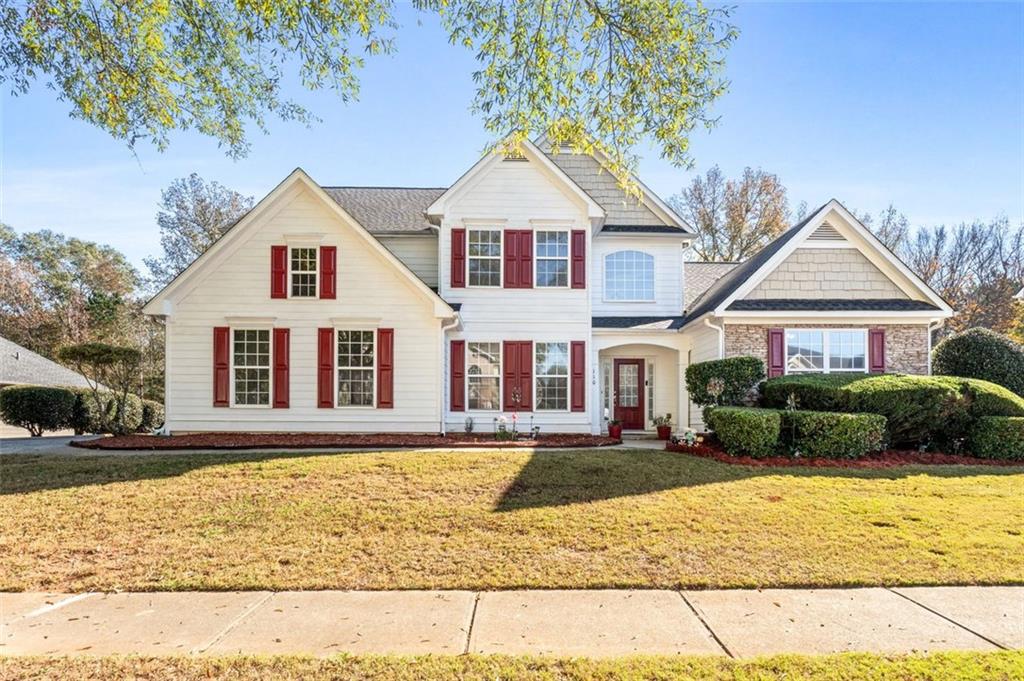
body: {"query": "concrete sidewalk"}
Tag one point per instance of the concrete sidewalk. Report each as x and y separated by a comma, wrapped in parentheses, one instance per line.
(738, 623)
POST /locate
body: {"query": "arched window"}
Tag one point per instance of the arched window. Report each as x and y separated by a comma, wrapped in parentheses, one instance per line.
(629, 276)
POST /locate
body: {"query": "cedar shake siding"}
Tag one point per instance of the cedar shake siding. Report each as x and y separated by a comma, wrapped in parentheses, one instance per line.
(826, 273)
(906, 345)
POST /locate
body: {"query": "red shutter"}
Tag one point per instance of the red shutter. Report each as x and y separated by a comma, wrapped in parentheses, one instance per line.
(385, 368)
(577, 376)
(776, 352)
(457, 383)
(578, 265)
(526, 375)
(876, 351)
(221, 365)
(325, 368)
(458, 258)
(526, 259)
(511, 237)
(282, 350)
(278, 271)
(509, 372)
(329, 272)
(517, 375)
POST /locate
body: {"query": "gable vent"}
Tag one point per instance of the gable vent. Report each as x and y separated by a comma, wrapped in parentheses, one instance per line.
(826, 233)
(514, 155)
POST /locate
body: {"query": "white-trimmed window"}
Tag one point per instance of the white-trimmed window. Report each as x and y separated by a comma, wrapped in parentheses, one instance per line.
(551, 255)
(302, 271)
(810, 351)
(629, 277)
(483, 376)
(356, 368)
(250, 367)
(484, 257)
(551, 376)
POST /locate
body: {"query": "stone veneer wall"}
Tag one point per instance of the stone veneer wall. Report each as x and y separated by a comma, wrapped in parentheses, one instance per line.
(906, 345)
(826, 273)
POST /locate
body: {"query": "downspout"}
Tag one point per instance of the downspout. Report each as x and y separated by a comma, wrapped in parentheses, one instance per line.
(445, 328)
(162, 430)
(721, 336)
(932, 326)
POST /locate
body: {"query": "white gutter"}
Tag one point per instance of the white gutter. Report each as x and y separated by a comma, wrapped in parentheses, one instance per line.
(444, 373)
(721, 336)
(932, 326)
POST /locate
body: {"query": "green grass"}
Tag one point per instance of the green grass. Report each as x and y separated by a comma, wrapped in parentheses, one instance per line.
(1001, 666)
(497, 519)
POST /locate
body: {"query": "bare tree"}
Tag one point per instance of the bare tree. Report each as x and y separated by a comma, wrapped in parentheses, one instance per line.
(733, 219)
(892, 227)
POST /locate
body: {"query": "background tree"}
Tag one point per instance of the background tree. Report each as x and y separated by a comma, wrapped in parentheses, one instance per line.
(592, 73)
(113, 366)
(193, 214)
(733, 219)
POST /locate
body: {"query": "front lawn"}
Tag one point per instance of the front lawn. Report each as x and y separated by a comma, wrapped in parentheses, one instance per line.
(496, 519)
(1001, 666)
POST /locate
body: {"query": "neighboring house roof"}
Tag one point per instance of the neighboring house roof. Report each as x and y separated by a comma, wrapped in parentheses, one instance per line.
(21, 366)
(700, 276)
(1020, 294)
(830, 305)
(388, 210)
(650, 322)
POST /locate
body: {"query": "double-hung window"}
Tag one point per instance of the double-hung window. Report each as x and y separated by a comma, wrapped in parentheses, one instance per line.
(356, 368)
(484, 257)
(302, 268)
(552, 258)
(629, 277)
(811, 351)
(483, 374)
(552, 375)
(251, 367)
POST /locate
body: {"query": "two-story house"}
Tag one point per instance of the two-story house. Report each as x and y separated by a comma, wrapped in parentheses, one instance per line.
(533, 286)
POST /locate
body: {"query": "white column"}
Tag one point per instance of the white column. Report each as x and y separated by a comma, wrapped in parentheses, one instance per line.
(596, 407)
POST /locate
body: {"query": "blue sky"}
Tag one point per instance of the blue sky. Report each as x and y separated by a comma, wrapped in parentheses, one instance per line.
(921, 105)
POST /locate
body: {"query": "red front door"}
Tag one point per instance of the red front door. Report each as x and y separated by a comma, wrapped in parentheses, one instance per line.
(629, 393)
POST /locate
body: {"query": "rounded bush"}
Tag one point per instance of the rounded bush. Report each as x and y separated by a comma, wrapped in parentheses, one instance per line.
(746, 431)
(738, 376)
(820, 392)
(152, 415)
(86, 416)
(833, 435)
(36, 408)
(984, 354)
(998, 437)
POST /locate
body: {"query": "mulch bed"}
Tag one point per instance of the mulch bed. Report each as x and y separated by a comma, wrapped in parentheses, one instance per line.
(322, 440)
(889, 458)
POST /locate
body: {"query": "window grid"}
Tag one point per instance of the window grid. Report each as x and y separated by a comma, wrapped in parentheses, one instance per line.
(251, 367)
(551, 252)
(356, 369)
(303, 263)
(484, 255)
(821, 351)
(551, 371)
(629, 277)
(483, 376)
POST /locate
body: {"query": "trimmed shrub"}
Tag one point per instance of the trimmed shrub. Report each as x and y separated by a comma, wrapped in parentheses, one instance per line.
(86, 416)
(746, 431)
(739, 375)
(833, 435)
(820, 392)
(998, 437)
(35, 408)
(152, 415)
(982, 353)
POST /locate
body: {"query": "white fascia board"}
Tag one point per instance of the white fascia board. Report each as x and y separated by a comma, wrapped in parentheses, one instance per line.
(839, 317)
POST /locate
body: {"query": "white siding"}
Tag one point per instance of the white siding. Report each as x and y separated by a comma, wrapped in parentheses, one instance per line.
(419, 253)
(668, 275)
(369, 289)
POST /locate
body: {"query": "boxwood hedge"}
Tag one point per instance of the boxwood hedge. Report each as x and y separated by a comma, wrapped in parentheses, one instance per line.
(35, 408)
(984, 354)
(998, 437)
(746, 431)
(86, 417)
(833, 435)
(739, 376)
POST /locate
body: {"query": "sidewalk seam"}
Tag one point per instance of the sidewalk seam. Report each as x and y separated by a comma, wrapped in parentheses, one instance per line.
(55, 606)
(472, 621)
(232, 625)
(997, 644)
(706, 625)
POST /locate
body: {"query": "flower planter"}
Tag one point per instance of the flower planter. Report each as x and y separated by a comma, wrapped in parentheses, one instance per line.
(615, 431)
(664, 432)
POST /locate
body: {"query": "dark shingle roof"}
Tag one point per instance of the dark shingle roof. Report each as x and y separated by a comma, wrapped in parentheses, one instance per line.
(700, 276)
(20, 366)
(725, 286)
(644, 229)
(830, 305)
(652, 322)
(388, 210)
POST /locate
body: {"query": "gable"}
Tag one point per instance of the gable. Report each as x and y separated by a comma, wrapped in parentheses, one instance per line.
(604, 188)
(826, 273)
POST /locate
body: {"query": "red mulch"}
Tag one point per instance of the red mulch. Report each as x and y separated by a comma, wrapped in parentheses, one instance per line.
(889, 458)
(321, 440)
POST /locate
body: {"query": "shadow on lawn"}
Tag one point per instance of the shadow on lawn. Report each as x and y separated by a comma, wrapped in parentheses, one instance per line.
(551, 479)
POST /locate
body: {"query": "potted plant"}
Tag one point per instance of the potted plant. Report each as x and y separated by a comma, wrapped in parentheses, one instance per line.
(664, 426)
(615, 429)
